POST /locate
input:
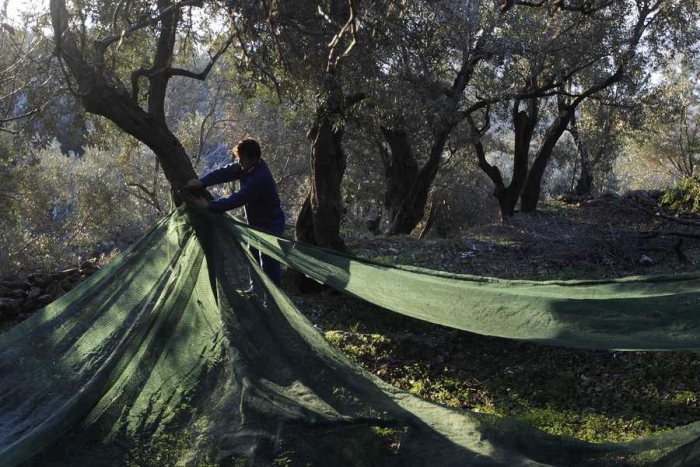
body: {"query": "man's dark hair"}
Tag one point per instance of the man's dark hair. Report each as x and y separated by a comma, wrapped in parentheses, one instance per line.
(247, 147)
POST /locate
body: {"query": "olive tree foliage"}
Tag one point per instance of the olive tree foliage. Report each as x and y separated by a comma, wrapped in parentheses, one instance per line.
(437, 50)
(451, 62)
(61, 207)
(64, 209)
(318, 56)
(22, 63)
(670, 134)
(598, 130)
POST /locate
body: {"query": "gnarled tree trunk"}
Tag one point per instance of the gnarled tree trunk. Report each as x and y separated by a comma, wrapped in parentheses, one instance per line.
(411, 210)
(531, 190)
(524, 123)
(319, 219)
(400, 169)
(103, 94)
(584, 185)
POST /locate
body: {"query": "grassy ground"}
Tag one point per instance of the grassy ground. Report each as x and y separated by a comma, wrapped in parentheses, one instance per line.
(591, 395)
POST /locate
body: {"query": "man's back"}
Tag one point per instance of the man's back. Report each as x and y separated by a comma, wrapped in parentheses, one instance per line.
(264, 210)
(258, 194)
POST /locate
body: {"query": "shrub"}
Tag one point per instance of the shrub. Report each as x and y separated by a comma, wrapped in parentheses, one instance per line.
(685, 196)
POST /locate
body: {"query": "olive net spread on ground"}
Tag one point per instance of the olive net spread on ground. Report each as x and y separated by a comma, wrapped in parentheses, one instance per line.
(164, 357)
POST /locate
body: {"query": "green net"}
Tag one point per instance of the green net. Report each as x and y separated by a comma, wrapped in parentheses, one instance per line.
(165, 357)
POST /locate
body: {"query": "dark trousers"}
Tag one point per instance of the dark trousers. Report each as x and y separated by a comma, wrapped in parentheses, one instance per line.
(272, 267)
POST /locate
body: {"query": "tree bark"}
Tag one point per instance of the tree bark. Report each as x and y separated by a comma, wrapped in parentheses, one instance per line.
(531, 189)
(103, 94)
(411, 210)
(151, 131)
(524, 123)
(319, 220)
(584, 185)
(400, 169)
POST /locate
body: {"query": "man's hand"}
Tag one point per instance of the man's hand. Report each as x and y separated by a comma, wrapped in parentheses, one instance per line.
(194, 184)
(201, 203)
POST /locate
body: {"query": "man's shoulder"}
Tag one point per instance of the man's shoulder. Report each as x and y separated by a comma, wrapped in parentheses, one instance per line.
(233, 166)
(262, 169)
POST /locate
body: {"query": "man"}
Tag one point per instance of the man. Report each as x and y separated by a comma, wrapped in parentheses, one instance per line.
(258, 195)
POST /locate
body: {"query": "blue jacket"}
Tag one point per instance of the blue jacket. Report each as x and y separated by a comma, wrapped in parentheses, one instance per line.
(258, 194)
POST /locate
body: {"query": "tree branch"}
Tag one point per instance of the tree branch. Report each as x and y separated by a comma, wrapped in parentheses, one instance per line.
(102, 44)
(203, 74)
(586, 7)
(349, 26)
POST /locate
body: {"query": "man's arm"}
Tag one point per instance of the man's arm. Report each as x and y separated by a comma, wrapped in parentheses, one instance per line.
(225, 174)
(249, 192)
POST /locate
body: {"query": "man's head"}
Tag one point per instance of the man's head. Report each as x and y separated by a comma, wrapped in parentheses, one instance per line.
(247, 151)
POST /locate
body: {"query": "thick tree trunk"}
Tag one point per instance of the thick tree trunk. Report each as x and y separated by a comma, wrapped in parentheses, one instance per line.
(319, 220)
(401, 169)
(304, 232)
(411, 210)
(524, 123)
(584, 185)
(507, 196)
(304, 227)
(104, 95)
(531, 190)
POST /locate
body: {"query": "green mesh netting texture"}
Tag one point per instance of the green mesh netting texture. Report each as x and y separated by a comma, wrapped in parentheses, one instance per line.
(166, 358)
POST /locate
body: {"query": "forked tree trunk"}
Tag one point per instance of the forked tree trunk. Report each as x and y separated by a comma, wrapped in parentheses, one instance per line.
(524, 123)
(411, 210)
(102, 94)
(531, 190)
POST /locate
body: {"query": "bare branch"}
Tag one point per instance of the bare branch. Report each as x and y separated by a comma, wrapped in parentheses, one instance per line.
(350, 27)
(203, 74)
(24, 115)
